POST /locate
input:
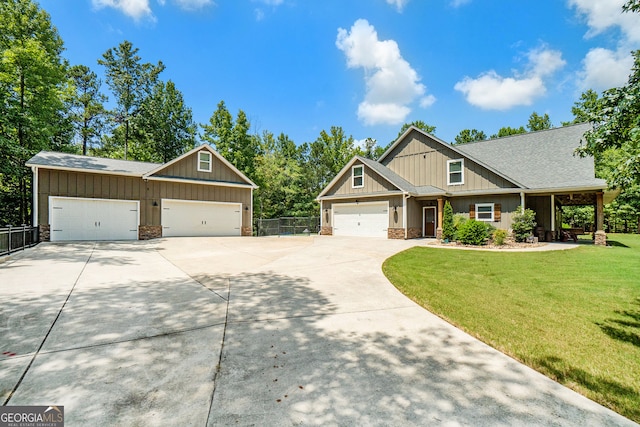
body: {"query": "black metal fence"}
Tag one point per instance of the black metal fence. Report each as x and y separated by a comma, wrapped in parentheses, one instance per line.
(14, 239)
(288, 226)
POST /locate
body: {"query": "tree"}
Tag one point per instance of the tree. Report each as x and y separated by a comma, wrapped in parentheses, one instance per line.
(327, 156)
(86, 106)
(447, 222)
(538, 122)
(131, 82)
(508, 131)
(632, 6)
(420, 125)
(168, 123)
(616, 126)
(469, 135)
(523, 223)
(232, 140)
(581, 109)
(32, 82)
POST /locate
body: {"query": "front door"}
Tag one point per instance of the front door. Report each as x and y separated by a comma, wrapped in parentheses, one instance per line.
(429, 218)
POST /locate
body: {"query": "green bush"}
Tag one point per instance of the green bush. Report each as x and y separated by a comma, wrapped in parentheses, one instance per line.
(447, 222)
(499, 236)
(473, 232)
(523, 223)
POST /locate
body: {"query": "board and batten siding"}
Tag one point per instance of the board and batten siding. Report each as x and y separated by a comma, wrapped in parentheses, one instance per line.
(423, 161)
(373, 183)
(188, 168)
(508, 205)
(100, 186)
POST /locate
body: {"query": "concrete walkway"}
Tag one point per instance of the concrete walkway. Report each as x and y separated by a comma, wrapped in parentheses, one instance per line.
(251, 331)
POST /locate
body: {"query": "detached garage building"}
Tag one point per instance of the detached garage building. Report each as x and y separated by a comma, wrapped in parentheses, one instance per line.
(88, 198)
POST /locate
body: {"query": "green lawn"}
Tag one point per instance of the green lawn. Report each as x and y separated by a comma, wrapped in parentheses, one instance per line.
(573, 315)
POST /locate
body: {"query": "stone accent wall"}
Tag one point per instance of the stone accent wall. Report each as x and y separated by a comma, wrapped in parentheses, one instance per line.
(414, 233)
(147, 232)
(326, 230)
(45, 232)
(246, 231)
(395, 233)
(601, 238)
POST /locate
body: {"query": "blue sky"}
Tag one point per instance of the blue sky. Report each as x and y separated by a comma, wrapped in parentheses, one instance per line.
(301, 66)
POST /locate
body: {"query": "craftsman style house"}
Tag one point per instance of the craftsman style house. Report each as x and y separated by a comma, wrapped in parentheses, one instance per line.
(402, 195)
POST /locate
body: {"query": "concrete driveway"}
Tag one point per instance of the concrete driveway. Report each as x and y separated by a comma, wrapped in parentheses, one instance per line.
(251, 331)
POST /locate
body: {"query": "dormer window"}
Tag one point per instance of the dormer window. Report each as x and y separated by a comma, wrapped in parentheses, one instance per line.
(455, 172)
(357, 176)
(204, 161)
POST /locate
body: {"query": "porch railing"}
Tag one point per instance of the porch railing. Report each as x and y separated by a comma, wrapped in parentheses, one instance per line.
(14, 239)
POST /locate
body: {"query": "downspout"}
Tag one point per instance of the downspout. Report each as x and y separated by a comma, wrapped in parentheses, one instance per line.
(34, 169)
(405, 196)
(250, 214)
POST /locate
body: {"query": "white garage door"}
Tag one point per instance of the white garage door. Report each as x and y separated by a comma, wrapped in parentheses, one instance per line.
(370, 219)
(73, 218)
(195, 218)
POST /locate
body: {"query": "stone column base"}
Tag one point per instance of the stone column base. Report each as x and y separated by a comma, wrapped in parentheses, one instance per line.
(148, 232)
(414, 233)
(246, 231)
(439, 233)
(601, 238)
(45, 232)
(326, 230)
(395, 233)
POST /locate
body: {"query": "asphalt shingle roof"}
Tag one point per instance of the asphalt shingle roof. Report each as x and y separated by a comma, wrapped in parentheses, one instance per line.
(539, 160)
(74, 161)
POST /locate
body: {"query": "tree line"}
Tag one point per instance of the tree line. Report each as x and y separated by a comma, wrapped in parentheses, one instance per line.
(48, 104)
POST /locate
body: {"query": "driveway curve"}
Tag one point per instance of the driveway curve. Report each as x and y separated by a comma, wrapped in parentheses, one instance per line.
(252, 331)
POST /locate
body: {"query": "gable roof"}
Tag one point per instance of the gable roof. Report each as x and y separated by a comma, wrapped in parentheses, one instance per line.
(203, 147)
(144, 170)
(539, 160)
(66, 161)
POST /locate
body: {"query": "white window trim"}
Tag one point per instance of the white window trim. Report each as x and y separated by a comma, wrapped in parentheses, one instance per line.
(353, 176)
(493, 211)
(461, 171)
(199, 161)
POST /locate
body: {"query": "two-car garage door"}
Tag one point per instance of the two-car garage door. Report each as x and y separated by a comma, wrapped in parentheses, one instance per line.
(369, 219)
(195, 218)
(73, 218)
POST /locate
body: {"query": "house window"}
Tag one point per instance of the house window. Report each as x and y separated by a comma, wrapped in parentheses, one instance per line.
(204, 161)
(484, 212)
(357, 176)
(455, 172)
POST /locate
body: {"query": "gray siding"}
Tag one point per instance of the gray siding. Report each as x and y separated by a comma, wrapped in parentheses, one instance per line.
(423, 161)
(508, 204)
(373, 183)
(188, 168)
(86, 185)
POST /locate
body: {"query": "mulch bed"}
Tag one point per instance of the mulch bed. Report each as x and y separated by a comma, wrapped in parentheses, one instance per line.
(506, 245)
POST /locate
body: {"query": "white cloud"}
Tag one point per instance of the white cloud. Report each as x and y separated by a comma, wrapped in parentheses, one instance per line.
(193, 4)
(604, 69)
(604, 14)
(494, 92)
(392, 85)
(137, 9)
(399, 4)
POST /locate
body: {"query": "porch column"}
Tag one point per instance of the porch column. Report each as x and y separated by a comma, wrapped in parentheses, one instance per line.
(440, 209)
(553, 217)
(601, 236)
(522, 206)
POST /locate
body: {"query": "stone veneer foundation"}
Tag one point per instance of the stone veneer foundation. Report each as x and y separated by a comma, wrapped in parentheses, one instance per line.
(601, 238)
(326, 230)
(45, 232)
(147, 232)
(246, 231)
(395, 233)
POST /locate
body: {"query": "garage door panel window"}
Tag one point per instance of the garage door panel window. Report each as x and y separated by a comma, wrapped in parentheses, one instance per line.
(204, 161)
(357, 176)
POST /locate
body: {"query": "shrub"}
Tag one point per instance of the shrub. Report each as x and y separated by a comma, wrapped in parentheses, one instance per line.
(499, 236)
(473, 232)
(523, 223)
(447, 222)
